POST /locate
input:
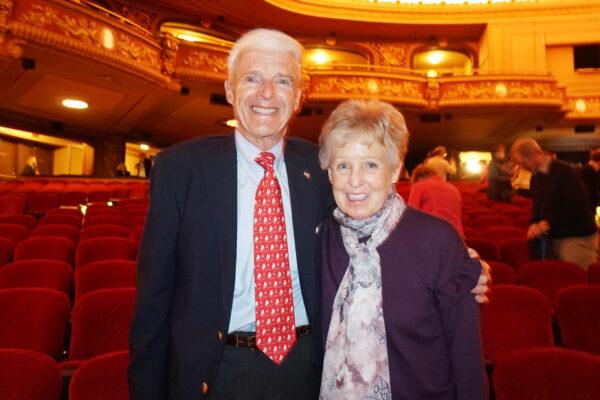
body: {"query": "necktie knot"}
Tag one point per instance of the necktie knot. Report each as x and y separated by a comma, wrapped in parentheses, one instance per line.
(266, 160)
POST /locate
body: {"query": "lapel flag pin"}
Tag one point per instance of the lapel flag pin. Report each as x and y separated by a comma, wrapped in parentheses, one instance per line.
(306, 174)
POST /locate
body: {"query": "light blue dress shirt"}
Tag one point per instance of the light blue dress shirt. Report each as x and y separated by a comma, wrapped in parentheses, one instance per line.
(249, 174)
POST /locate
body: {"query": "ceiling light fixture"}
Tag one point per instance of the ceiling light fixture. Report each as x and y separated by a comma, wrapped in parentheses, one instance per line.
(75, 104)
(144, 147)
(231, 122)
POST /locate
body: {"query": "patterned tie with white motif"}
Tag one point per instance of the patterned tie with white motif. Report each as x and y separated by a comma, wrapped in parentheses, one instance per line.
(275, 324)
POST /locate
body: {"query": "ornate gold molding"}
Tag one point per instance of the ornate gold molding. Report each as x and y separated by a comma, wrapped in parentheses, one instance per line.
(589, 110)
(485, 91)
(202, 64)
(391, 55)
(340, 86)
(6, 7)
(82, 35)
(386, 12)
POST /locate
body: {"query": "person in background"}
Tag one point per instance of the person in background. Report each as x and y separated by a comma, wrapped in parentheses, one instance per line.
(561, 204)
(433, 195)
(437, 162)
(122, 170)
(499, 187)
(395, 281)
(30, 168)
(590, 173)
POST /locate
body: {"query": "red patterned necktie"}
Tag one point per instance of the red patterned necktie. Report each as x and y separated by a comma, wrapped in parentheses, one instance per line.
(275, 323)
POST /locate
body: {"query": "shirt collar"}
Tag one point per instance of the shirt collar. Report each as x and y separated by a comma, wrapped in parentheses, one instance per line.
(247, 153)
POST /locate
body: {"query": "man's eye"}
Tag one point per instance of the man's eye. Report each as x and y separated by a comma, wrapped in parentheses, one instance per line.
(251, 79)
(283, 81)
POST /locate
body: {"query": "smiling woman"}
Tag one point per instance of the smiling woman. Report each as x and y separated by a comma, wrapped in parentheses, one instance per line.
(395, 281)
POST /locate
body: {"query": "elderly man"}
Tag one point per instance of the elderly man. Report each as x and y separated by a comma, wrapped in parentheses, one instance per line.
(229, 263)
(561, 204)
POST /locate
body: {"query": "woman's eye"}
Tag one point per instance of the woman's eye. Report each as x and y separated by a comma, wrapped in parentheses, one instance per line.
(372, 165)
(342, 166)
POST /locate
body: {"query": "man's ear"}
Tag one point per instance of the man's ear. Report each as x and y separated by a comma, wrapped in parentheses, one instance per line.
(229, 92)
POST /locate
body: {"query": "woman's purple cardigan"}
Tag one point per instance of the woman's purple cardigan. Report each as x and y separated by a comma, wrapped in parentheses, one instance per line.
(431, 318)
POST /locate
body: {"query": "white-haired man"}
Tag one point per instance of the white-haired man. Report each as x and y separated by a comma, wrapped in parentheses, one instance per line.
(561, 204)
(229, 263)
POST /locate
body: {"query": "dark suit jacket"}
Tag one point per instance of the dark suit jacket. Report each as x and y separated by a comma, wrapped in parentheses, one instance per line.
(186, 266)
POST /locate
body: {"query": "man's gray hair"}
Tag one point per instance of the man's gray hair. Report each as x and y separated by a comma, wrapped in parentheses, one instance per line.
(265, 39)
(364, 120)
(525, 147)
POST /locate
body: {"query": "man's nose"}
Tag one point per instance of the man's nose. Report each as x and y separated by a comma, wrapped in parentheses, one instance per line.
(266, 89)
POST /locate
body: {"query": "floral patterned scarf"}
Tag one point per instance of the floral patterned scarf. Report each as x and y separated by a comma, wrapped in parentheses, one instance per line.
(356, 360)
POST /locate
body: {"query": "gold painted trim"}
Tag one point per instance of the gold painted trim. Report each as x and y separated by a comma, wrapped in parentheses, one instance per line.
(361, 10)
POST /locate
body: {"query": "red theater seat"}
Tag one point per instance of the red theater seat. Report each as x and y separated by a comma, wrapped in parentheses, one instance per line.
(98, 195)
(105, 248)
(578, 312)
(27, 221)
(27, 375)
(72, 198)
(136, 234)
(34, 319)
(100, 325)
(594, 273)
(516, 318)
(101, 378)
(550, 373)
(107, 230)
(10, 205)
(491, 221)
(14, 232)
(119, 191)
(45, 248)
(92, 220)
(6, 250)
(486, 249)
(472, 233)
(107, 274)
(514, 252)
(53, 219)
(66, 211)
(66, 231)
(549, 276)
(502, 274)
(42, 202)
(47, 274)
(500, 234)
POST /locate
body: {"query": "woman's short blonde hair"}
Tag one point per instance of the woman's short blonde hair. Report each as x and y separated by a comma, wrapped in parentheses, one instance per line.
(364, 120)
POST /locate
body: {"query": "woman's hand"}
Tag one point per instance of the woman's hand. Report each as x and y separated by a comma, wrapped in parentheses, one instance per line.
(485, 279)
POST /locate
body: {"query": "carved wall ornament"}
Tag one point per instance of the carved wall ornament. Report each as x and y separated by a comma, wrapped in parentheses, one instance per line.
(506, 90)
(90, 32)
(6, 7)
(337, 87)
(391, 55)
(216, 62)
(170, 47)
(144, 18)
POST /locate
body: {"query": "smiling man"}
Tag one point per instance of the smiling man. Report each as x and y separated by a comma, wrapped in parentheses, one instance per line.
(228, 276)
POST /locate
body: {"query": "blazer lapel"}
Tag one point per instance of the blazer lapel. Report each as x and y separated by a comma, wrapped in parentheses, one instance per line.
(221, 182)
(303, 196)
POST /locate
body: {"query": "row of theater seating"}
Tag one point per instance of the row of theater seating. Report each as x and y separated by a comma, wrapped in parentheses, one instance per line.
(515, 326)
(38, 202)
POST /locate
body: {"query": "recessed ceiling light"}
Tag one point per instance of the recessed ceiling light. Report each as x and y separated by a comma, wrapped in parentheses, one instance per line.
(75, 104)
(144, 147)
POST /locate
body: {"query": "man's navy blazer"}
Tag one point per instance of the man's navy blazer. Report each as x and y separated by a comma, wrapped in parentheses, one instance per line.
(186, 266)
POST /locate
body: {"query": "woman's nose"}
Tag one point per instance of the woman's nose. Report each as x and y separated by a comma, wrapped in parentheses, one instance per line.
(356, 177)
